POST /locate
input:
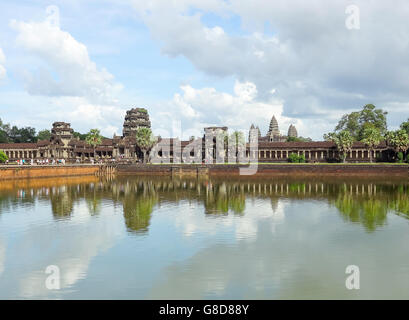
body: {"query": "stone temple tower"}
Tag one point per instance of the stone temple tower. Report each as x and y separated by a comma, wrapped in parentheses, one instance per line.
(61, 132)
(134, 119)
(273, 131)
(61, 135)
(253, 127)
(292, 131)
(258, 132)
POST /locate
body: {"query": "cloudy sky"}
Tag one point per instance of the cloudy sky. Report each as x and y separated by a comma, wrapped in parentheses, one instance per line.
(195, 63)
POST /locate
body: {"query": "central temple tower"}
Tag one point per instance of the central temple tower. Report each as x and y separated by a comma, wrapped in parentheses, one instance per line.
(273, 131)
(134, 119)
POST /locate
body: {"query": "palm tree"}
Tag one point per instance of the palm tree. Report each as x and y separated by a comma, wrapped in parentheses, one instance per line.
(343, 140)
(398, 140)
(372, 137)
(94, 139)
(145, 141)
(236, 144)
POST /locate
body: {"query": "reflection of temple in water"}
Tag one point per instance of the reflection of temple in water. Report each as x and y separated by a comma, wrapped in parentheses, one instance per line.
(366, 203)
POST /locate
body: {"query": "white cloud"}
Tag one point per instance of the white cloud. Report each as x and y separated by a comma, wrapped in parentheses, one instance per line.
(40, 112)
(83, 114)
(318, 69)
(245, 227)
(99, 236)
(62, 81)
(317, 66)
(65, 68)
(197, 108)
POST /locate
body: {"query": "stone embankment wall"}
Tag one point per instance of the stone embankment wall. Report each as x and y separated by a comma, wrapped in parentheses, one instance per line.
(270, 170)
(26, 172)
(317, 170)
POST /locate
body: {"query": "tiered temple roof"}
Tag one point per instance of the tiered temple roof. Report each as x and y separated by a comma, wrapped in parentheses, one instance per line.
(134, 119)
(292, 131)
(273, 129)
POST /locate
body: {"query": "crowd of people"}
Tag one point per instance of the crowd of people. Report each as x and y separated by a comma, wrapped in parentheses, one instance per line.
(53, 161)
(32, 162)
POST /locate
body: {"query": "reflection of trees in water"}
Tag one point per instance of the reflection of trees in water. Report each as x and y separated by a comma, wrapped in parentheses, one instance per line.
(5, 202)
(401, 203)
(14, 199)
(358, 201)
(274, 204)
(138, 205)
(220, 198)
(369, 204)
(61, 205)
(93, 199)
(296, 187)
(62, 201)
(371, 213)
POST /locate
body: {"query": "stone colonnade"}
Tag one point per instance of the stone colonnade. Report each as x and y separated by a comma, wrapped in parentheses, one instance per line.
(22, 153)
(312, 154)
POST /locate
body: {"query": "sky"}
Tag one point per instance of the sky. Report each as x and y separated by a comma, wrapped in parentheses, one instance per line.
(196, 63)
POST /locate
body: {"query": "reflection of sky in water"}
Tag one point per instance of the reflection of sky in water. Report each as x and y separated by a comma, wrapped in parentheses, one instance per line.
(131, 239)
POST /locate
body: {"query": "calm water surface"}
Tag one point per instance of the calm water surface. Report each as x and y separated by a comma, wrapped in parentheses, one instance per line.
(152, 238)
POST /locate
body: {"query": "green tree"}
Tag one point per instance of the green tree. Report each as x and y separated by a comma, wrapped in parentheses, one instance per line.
(94, 139)
(371, 136)
(405, 126)
(145, 141)
(238, 138)
(343, 140)
(44, 135)
(401, 157)
(80, 136)
(23, 135)
(14, 134)
(356, 122)
(350, 123)
(292, 139)
(398, 140)
(236, 142)
(298, 139)
(294, 158)
(4, 138)
(3, 157)
(376, 117)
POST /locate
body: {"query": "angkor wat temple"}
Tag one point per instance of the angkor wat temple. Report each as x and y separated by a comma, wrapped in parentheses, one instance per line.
(63, 144)
(273, 147)
(274, 134)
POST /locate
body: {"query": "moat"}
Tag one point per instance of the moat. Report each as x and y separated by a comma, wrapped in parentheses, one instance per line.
(211, 237)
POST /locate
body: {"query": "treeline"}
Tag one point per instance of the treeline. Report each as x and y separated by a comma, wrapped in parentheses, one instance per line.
(369, 126)
(298, 139)
(14, 134)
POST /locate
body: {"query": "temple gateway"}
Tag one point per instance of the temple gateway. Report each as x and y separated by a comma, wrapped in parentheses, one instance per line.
(273, 147)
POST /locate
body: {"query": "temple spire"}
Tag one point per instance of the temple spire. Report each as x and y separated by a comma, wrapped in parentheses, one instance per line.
(273, 130)
(292, 131)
